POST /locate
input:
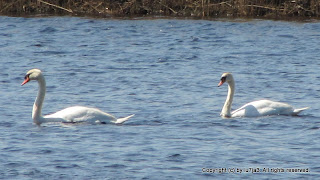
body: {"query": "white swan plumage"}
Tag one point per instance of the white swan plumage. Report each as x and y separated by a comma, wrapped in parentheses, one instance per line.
(69, 115)
(255, 108)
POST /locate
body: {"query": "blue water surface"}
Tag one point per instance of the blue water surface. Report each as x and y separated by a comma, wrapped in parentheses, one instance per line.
(166, 72)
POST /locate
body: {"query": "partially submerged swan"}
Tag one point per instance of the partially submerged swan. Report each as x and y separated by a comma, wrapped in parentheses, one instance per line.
(255, 108)
(70, 114)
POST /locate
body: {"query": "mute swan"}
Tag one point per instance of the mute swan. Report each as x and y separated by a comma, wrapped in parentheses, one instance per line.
(255, 108)
(70, 114)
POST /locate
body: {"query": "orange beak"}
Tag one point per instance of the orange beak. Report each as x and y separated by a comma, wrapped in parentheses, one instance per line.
(220, 83)
(25, 81)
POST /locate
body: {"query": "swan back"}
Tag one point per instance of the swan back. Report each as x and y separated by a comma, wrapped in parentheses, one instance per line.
(263, 108)
(81, 114)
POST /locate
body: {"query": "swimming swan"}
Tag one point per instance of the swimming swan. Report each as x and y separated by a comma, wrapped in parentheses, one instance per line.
(70, 114)
(255, 108)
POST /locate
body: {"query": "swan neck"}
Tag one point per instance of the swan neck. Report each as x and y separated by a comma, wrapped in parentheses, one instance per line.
(37, 106)
(226, 110)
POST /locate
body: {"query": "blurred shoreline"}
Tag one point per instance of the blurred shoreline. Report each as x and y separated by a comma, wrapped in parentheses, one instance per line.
(271, 9)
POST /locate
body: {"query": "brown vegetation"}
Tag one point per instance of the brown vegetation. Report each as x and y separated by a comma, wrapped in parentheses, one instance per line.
(184, 8)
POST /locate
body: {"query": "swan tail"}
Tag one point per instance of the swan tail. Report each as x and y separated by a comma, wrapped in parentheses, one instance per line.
(122, 120)
(297, 111)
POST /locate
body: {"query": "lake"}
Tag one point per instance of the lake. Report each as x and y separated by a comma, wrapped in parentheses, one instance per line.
(166, 72)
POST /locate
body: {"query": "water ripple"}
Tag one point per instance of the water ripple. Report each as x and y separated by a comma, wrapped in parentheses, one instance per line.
(166, 72)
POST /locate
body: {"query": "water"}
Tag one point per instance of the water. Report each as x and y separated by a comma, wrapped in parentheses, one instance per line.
(166, 72)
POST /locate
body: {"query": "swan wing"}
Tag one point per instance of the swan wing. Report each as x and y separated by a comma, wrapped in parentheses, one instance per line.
(263, 108)
(81, 114)
(122, 120)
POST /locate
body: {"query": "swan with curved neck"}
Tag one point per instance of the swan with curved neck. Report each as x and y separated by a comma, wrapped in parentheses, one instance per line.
(70, 114)
(255, 108)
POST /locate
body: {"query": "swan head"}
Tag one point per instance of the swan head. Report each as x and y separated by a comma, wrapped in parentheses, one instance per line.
(33, 74)
(226, 77)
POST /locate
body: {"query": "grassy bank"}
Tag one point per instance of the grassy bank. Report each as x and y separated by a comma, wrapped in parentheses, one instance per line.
(183, 8)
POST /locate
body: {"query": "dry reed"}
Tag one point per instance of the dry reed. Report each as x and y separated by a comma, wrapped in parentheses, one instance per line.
(185, 8)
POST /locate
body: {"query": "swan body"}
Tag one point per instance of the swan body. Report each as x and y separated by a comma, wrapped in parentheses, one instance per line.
(69, 115)
(255, 108)
(84, 114)
(265, 108)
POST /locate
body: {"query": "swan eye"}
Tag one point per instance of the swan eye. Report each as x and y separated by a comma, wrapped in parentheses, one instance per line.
(223, 79)
(27, 76)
